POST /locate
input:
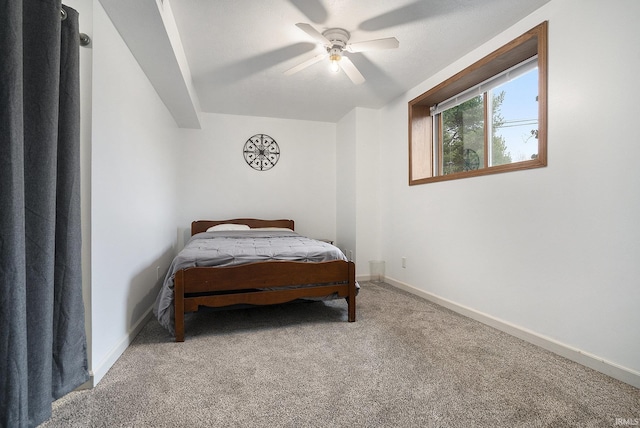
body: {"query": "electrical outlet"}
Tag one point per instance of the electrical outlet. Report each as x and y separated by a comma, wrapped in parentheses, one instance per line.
(404, 262)
(351, 255)
(157, 273)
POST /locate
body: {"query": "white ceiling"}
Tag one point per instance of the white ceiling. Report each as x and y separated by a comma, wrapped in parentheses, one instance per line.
(238, 50)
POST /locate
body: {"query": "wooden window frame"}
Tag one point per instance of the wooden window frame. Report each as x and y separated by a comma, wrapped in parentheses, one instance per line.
(421, 150)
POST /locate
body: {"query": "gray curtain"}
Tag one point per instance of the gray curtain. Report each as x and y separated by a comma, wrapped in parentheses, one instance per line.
(42, 338)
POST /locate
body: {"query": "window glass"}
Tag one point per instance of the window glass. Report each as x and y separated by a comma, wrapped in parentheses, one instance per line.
(515, 120)
(463, 136)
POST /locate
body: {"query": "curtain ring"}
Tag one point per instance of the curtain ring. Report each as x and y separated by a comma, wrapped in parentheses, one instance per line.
(63, 14)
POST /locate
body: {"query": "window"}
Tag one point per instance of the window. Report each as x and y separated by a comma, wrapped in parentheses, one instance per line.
(489, 118)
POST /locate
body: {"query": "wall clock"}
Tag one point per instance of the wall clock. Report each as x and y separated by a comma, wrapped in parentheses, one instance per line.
(261, 152)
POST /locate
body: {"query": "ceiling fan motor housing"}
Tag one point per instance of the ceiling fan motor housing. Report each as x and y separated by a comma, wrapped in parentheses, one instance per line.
(338, 38)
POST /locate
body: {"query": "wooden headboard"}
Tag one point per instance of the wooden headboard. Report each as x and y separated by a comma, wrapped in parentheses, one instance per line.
(202, 225)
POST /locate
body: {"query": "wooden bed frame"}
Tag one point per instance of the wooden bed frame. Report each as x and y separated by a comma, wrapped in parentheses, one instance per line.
(244, 284)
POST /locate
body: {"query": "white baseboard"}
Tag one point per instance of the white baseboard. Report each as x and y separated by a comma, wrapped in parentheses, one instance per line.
(594, 362)
(101, 369)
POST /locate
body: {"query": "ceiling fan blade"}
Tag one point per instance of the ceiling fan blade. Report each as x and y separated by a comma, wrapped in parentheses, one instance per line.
(372, 45)
(351, 70)
(305, 64)
(313, 33)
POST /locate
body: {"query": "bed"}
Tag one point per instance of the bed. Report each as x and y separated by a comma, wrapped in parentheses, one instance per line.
(251, 262)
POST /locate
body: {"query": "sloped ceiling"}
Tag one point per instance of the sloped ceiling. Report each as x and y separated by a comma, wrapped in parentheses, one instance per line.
(233, 53)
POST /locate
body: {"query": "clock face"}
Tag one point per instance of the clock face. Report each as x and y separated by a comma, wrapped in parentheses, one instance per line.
(261, 152)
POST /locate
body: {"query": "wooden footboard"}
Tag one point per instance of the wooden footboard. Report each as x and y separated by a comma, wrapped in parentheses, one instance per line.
(245, 284)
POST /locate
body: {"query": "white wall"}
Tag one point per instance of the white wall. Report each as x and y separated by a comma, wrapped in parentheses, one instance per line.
(346, 133)
(553, 252)
(358, 187)
(133, 194)
(216, 183)
(368, 166)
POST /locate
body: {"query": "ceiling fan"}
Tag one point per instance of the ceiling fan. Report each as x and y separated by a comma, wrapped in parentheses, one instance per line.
(336, 43)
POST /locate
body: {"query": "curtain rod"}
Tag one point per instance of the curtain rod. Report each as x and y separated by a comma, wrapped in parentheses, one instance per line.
(85, 40)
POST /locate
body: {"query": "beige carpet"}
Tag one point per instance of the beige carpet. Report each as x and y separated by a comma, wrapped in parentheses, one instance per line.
(405, 363)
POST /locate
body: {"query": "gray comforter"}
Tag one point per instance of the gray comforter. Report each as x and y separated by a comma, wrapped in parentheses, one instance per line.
(230, 248)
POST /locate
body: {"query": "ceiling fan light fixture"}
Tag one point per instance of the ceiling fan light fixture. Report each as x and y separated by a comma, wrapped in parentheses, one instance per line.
(334, 57)
(334, 66)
